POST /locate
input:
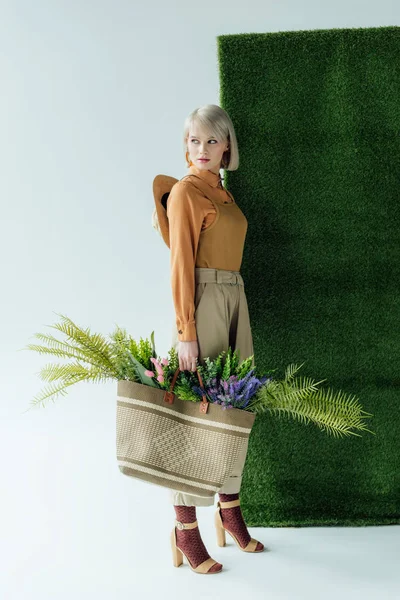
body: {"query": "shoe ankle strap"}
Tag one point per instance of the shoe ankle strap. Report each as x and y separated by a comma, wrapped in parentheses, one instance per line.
(180, 525)
(230, 504)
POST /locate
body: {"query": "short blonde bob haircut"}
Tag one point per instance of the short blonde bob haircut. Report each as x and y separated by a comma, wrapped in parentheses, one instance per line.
(213, 121)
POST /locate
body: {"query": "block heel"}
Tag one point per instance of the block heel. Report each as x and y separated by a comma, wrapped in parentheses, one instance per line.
(178, 554)
(221, 537)
(220, 529)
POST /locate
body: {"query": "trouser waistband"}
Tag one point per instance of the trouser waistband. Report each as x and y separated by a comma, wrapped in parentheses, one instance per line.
(206, 275)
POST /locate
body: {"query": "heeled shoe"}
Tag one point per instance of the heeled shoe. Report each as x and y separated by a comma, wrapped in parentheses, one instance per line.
(178, 554)
(220, 529)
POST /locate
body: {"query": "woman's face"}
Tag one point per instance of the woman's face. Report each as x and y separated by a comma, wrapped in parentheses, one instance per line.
(200, 145)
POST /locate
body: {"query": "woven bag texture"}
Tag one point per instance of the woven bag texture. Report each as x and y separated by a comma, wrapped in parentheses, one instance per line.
(175, 445)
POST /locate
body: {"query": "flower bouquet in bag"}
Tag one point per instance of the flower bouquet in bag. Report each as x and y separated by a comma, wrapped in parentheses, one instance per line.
(185, 429)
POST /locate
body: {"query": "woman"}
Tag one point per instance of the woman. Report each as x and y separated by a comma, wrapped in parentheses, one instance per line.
(206, 234)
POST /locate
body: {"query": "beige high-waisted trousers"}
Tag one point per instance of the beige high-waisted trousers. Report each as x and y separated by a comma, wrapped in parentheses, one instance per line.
(222, 320)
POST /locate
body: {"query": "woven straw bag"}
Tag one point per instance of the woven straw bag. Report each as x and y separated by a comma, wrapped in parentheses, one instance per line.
(178, 444)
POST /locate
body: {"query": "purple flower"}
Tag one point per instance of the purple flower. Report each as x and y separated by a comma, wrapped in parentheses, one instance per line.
(231, 393)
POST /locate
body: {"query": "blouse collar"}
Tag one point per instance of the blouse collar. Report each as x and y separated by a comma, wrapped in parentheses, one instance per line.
(213, 179)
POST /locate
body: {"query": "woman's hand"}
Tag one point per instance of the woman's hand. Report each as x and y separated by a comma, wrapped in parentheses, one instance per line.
(188, 353)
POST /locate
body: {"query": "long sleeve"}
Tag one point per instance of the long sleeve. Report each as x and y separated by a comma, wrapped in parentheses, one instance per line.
(185, 211)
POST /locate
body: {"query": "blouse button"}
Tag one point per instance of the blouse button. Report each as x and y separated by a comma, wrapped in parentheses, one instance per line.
(180, 331)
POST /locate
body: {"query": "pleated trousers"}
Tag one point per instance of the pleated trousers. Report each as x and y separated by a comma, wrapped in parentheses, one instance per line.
(222, 320)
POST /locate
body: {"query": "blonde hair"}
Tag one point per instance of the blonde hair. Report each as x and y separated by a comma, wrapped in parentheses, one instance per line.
(215, 121)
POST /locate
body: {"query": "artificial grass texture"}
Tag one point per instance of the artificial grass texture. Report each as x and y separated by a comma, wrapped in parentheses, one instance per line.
(317, 118)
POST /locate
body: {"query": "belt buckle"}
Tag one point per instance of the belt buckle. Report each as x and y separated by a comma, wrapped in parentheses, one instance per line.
(234, 280)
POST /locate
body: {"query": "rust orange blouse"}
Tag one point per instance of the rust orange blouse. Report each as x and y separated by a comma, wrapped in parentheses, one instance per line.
(189, 212)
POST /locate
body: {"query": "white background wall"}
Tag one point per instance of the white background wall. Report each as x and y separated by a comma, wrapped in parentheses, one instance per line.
(92, 104)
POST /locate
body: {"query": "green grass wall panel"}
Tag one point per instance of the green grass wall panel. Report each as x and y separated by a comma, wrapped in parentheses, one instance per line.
(317, 116)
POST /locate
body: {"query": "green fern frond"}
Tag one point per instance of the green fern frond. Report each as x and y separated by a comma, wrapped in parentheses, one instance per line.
(183, 388)
(95, 344)
(299, 389)
(72, 375)
(235, 361)
(244, 367)
(61, 352)
(227, 370)
(53, 371)
(291, 370)
(333, 412)
(119, 333)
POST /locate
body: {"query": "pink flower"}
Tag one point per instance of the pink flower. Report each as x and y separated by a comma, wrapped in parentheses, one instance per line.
(157, 365)
(149, 373)
(164, 361)
(160, 378)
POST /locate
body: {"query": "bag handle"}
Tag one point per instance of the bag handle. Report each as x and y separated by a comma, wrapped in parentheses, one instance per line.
(169, 395)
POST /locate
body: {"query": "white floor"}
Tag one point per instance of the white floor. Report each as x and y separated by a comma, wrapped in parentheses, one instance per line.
(75, 528)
